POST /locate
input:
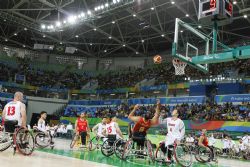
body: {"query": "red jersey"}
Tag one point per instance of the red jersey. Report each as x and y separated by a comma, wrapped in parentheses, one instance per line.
(205, 140)
(82, 125)
(142, 126)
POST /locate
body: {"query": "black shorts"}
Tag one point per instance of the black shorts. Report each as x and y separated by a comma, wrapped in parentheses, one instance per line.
(139, 138)
(10, 126)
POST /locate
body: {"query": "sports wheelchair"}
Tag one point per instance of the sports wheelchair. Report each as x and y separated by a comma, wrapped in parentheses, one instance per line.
(17, 137)
(181, 153)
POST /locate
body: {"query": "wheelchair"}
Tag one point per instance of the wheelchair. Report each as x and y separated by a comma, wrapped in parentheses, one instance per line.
(181, 153)
(17, 137)
(132, 149)
(76, 142)
(111, 146)
(43, 140)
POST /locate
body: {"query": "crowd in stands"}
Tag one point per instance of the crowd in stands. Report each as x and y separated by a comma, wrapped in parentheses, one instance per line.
(211, 112)
(163, 73)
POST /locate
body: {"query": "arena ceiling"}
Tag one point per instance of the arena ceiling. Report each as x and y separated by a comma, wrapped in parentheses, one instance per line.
(141, 28)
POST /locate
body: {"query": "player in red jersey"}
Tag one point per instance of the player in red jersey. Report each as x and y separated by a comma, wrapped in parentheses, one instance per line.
(82, 128)
(142, 124)
(203, 142)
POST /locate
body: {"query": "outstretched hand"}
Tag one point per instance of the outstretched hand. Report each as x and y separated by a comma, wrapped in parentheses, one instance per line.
(136, 107)
(158, 103)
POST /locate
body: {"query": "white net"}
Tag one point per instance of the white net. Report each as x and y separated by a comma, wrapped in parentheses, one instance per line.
(179, 66)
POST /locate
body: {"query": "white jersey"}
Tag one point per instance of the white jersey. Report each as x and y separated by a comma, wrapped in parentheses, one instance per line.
(41, 126)
(100, 128)
(246, 140)
(211, 141)
(226, 143)
(111, 129)
(189, 139)
(13, 111)
(232, 144)
(242, 147)
(176, 130)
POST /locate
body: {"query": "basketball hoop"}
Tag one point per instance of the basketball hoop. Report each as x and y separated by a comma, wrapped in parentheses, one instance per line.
(179, 66)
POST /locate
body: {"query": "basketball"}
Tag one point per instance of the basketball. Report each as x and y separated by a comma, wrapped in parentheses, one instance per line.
(157, 59)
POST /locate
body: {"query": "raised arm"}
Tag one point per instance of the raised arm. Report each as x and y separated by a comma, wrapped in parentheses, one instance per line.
(155, 119)
(132, 113)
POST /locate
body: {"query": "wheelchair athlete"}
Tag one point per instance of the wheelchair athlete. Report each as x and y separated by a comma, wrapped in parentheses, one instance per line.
(203, 142)
(142, 124)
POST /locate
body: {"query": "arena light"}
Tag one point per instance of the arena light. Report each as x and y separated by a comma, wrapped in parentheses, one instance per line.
(134, 15)
(245, 16)
(15, 34)
(162, 35)
(110, 37)
(137, 53)
(152, 8)
(199, 26)
(43, 26)
(24, 46)
(58, 24)
(172, 2)
(90, 44)
(105, 51)
(25, 29)
(44, 36)
(61, 43)
(77, 36)
(113, 22)
(6, 40)
(187, 15)
(234, 2)
(112, 94)
(142, 41)
(94, 29)
(72, 19)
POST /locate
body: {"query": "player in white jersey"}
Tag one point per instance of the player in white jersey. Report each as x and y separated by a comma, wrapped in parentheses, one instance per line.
(246, 140)
(112, 129)
(226, 145)
(14, 113)
(176, 132)
(99, 128)
(41, 125)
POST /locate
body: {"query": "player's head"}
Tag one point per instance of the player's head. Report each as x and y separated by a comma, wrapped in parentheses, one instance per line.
(240, 141)
(18, 96)
(104, 120)
(109, 118)
(43, 114)
(114, 119)
(175, 113)
(204, 131)
(83, 115)
(147, 115)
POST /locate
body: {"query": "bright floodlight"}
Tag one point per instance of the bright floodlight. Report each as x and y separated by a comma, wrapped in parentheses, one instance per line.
(187, 15)
(43, 26)
(172, 2)
(106, 5)
(114, 2)
(72, 19)
(89, 12)
(102, 7)
(58, 23)
(82, 14)
(234, 2)
(245, 16)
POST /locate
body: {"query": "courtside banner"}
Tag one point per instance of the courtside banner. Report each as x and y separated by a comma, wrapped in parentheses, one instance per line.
(169, 100)
(153, 88)
(233, 98)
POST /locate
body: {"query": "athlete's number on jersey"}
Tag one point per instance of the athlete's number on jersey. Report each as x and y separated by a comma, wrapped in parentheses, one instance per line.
(141, 129)
(110, 129)
(11, 110)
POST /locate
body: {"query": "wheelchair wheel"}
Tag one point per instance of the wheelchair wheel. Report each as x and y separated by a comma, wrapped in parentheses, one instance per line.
(150, 150)
(183, 155)
(127, 149)
(93, 143)
(159, 155)
(107, 148)
(24, 141)
(5, 141)
(203, 155)
(42, 140)
(119, 147)
(74, 140)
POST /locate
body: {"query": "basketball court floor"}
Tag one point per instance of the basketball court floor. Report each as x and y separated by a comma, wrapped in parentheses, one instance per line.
(63, 156)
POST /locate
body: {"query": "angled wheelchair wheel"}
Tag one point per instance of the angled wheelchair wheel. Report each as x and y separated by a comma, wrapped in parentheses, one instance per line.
(183, 155)
(160, 156)
(74, 141)
(119, 147)
(127, 149)
(107, 148)
(203, 155)
(42, 140)
(150, 150)
(5, 141)
(24, 141)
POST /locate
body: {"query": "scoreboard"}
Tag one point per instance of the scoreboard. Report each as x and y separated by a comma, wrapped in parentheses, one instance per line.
(215, 10)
